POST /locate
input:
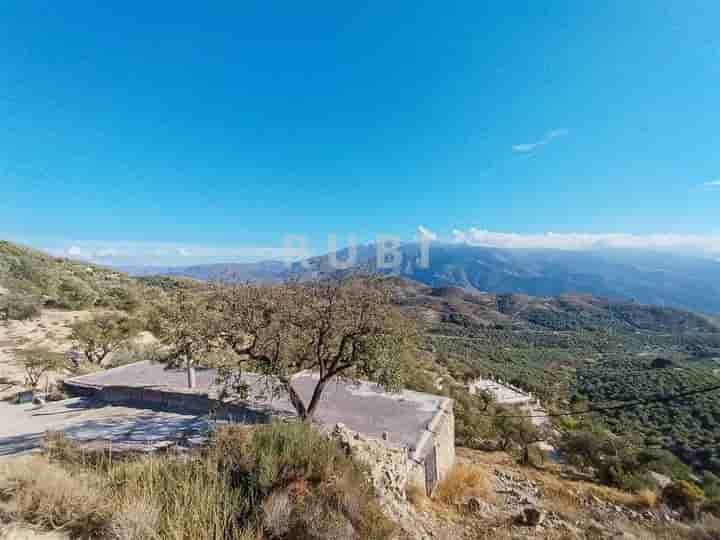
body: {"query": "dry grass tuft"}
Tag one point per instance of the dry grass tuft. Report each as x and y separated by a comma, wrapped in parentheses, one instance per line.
(416, 495)
(464, 481)
(646, 498)
(277, 514)
(136, 519)
(277, 481)
(48, 496)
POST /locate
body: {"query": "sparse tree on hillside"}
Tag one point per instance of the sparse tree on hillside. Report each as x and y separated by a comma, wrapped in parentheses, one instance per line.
(187, 326)
(514, 429)
(336, 328)
(38, 363)
(486, 399)
(103, 334)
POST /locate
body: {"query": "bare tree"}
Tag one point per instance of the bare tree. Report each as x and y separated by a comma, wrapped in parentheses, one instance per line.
(37, 363)
(187, 327)
(103, 334)
(336, 328)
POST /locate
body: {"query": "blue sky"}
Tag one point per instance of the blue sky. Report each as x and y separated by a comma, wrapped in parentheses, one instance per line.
(170, 132)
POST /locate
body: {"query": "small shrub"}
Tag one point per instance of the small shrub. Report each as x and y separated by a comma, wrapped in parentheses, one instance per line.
(284, 452)
(639, 482)
(130, 353)
(74, 293)
(682, 495)
(19, 308)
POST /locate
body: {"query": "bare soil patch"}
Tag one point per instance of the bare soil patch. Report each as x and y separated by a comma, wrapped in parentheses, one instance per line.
(50, 331)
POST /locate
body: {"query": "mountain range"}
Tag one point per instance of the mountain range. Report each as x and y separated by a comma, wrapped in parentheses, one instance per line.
(646, 277)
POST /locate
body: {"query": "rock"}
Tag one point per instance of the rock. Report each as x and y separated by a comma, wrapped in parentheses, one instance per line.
(475, 505)
(660, 479)
(531, 516)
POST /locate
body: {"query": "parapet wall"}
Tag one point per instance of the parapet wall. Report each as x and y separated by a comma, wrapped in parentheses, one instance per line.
(435, 453)
(174, 400)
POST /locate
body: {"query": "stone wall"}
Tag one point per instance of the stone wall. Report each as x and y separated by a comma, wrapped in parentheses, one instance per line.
(393, 469)
(388, 467)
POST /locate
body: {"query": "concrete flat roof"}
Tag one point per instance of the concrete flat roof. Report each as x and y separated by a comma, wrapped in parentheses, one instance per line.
(361, 406)
(91, 422)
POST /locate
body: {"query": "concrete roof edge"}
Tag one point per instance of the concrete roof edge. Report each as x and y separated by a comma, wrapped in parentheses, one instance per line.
(444, 408)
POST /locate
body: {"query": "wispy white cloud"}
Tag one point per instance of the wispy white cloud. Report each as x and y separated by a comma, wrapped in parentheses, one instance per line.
(547, 138)
(160, 253)
(706, 244)
(426, 234)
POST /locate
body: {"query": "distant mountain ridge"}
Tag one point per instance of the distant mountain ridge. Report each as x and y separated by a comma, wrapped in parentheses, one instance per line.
(265, 271)
(646, 277)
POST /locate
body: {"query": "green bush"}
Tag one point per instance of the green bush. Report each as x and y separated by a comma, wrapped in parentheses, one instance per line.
(74, 293)
(711, 485)
(130, 352)
(19, 308)
(120, 298)
(637, 482)
(304, 483)
(286, 452)
(682, 495)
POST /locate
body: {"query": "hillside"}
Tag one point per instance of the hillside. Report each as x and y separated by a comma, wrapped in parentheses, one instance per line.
(566, 348)
(31, 280)
(567, 312)
(647, 277)
(583, 352)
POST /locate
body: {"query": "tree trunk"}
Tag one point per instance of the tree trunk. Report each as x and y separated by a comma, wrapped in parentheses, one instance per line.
(315, 400)
(192, 382)
(295, 399)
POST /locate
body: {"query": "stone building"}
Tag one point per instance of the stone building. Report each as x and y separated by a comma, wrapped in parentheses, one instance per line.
(416, 430)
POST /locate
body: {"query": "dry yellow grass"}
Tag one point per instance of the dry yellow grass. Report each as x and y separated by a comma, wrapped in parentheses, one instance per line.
(646, 498)
(46, 495)
(464, 481)
(417, 496)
